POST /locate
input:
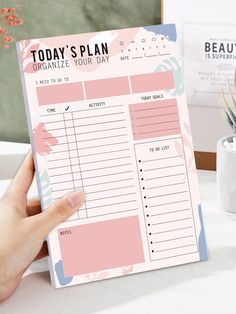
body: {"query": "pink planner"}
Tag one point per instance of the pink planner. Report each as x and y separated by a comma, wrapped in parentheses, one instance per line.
(107, 114)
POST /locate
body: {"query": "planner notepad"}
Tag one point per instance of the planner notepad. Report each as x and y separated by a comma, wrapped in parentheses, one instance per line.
(107, 114)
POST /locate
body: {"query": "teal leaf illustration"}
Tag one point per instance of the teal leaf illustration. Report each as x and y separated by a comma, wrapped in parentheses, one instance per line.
(173, 65)
(46, 189)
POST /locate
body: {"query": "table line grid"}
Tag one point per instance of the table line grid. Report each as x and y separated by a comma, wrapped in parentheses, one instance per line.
(85, 203)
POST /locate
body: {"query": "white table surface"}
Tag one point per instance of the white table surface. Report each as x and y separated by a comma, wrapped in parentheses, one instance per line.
(199, 288)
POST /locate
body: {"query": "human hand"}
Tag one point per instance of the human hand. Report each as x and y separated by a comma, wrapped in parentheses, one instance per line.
(23, 226)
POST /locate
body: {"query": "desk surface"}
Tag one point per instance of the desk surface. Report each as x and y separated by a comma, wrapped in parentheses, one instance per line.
(205, 287)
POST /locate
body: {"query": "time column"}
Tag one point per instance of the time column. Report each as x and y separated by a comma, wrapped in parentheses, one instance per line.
(62, 158)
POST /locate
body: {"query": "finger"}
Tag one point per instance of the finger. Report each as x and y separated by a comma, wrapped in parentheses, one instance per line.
(24, 177)
(33, 207)
(43, 251)
(59, 211)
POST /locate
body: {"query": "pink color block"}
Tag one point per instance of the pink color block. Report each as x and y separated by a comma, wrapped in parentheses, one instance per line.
(101, 245)
(154, 119)
(152, 82)
(55, 94)
(107, 87)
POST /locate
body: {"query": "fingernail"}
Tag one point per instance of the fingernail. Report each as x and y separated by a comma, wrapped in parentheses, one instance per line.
(74, 199)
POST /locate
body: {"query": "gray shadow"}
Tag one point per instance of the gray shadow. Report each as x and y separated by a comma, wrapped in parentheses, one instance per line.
(35, 294)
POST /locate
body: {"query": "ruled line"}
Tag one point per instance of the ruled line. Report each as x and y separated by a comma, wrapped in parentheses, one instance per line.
(166, 222)
(103, 198)
(125, 142)
(112, 151)
(94, 169)
(111, 121)
(170, 212)
(100, 191)
(167, 194)
(112, 204)
(161, 186)
(169, 203)
(105, 175)
(56, 175)
(92, 162)
(173, 239)
(48, 138)
(153, 108)
(163, 167)
(139, 133)
(171, 256)
(52, 114)
(177, 229)
(83, 125)
(157, 115)
(115, 212)
(52, 121)
(164, 54)
(57, 129)
(170, 175)
(173, 248)
(88, 185)
(163, 122)
(149, 160)
(58, 159)
(100, 176)
(122, 127)
(49, 168)
(100, 138)
(100, 115)
(76, 135)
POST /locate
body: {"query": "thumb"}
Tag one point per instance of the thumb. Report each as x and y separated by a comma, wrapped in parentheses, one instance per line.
(56, 213)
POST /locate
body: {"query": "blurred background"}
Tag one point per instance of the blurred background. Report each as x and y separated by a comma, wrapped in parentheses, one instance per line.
(35, 19)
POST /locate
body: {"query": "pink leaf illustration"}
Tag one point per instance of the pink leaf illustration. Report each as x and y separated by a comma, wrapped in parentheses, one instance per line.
(102, 275)
(127, 270)
(43, 139)
(29, 67)
(97, 276)
(190, 161)
(33, 47)
(187, 127)
(25, 43)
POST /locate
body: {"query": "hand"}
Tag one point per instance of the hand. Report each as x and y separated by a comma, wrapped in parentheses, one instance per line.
(23, 226)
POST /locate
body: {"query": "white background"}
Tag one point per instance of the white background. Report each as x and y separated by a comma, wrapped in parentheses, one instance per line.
(207, 123)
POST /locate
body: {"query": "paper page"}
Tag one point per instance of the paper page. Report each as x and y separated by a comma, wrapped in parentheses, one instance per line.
(107, 114)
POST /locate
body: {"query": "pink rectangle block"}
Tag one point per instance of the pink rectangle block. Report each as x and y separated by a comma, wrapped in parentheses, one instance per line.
(107, 87)
(60, 93)
(154, 119)
(101, 245)
(152, 82)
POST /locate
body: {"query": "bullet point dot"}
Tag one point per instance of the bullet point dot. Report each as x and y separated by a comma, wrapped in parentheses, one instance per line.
(150, 234)
(148, 224)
